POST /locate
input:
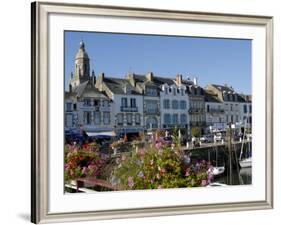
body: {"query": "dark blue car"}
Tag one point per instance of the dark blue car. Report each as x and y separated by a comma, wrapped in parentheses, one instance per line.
(80, 137)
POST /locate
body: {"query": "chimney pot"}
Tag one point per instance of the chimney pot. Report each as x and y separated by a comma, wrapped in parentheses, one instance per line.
(179, 79)
(195, 81)
(149, 76)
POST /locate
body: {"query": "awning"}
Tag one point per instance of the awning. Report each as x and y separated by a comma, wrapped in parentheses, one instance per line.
(105, 133)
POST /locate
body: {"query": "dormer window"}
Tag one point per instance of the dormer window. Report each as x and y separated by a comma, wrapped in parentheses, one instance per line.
(87, 102)
(126, 89)
(151, 91)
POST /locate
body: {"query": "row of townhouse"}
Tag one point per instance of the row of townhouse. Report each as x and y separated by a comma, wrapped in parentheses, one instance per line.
(138, 103)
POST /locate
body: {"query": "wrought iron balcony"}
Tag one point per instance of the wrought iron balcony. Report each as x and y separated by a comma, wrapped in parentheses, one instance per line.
(196, 110)
(151, 111)
(215, 111)
(128, 109)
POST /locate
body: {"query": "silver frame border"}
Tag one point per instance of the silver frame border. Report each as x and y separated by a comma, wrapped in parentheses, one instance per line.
(39, 110)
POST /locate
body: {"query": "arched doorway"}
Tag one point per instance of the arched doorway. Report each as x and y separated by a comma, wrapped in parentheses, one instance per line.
(151, 122)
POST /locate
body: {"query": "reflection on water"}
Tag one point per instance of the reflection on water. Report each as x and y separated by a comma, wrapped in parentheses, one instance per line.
(243, 177)
(219, 157)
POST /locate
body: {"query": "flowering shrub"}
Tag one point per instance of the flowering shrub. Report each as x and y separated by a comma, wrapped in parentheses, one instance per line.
(159, 167)
(117, 144)
(83, 161)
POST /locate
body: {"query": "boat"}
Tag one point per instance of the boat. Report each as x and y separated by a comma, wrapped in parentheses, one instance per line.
(245, 163)
(217, 170)
(216, 184)
(246, 175)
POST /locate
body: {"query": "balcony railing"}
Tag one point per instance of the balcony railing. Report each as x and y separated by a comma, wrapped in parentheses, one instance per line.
(128, 109)
(197, 124)
(151, 111)
(196, 110)
(215, 111)
(105, 108)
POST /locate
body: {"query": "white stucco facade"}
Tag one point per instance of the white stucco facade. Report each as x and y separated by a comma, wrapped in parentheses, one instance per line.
(215, 116)
(174, 105)
(128, 113)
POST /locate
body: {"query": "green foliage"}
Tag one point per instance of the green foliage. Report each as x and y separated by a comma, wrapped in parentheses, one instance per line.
(195, 131)
(82, 161)
(155, 168)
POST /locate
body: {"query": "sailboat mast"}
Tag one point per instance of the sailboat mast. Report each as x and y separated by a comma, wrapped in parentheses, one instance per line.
(230, 153)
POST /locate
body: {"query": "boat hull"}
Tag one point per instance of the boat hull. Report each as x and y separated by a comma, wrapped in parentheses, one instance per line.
(244, 163)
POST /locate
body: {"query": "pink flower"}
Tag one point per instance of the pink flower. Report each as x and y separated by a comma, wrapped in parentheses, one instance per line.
(131, 182)
(71, 173)
(92, 167)
(187, 173)
(204, 182)
(158, 145)
(151, 181)
(140, 174)
(141, 152)
(210, 178)
(160, 187)
(117, 160)
(158, 176)
(123, 157)
(211, 168)
(84, 170)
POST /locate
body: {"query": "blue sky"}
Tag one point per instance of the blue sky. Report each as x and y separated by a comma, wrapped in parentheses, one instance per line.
(211, 60)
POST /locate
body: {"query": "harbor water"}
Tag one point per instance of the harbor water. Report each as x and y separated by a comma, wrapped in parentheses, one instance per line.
(218, 156)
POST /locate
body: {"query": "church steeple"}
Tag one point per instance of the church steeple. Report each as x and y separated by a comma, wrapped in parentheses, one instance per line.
(82, 64)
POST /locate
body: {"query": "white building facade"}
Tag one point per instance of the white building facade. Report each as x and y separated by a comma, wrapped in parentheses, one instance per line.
(85, 106)
(246, 111)
(215, 113)
(127, 104)
(174, 106)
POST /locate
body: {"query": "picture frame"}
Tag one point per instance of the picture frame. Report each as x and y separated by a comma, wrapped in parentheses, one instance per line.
(41, 155)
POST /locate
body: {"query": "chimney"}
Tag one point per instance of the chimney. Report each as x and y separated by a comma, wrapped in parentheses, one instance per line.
(93, 77)
(70, 88)
(101, 77)
(131, 78)
(179, 79)
(195, 81)
(149, 76)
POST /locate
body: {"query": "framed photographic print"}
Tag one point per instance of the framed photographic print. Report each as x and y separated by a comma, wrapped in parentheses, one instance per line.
(146, 112)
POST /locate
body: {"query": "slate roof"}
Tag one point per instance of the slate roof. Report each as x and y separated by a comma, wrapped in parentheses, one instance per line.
(163, 80)
(157, 81)
(139, 78)
(187, 82)
(247, 98)
(87, 87)
(116, 85)
(223, 88)
(228, 90)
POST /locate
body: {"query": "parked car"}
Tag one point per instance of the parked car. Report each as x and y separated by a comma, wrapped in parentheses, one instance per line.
(207, 139)
(218, 137)
(77, 136)
(167, 140)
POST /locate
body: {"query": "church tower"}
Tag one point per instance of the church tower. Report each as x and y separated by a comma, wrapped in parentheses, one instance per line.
(82, 66)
